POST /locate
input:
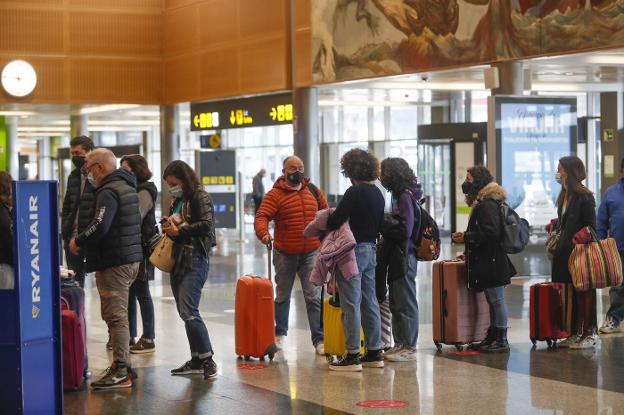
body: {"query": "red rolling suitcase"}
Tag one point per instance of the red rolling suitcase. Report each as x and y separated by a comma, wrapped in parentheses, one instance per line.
(547, 310)
(73, 350)
(255, 316)
(74, 298)
(460, 316)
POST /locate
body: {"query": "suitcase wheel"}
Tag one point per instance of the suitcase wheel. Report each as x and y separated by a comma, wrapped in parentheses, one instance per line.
(247, 358)
(438, 346)
(329, 358)
(551, 343)
(239, 357)
(271, 356)
(533, 341)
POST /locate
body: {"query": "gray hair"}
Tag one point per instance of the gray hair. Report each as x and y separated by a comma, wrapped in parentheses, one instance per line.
(104, 157)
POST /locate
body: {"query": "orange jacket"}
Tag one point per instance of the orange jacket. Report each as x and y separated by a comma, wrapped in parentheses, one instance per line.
(292, 210)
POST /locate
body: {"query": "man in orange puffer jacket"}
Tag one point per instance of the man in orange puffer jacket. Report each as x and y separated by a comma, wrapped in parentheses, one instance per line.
(292, 204)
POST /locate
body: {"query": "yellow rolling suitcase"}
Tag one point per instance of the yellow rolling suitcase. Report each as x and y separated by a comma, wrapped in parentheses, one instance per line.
(333, 330)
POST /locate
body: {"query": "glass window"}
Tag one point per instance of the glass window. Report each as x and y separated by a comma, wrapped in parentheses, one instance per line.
(403, 122)
(355, 124)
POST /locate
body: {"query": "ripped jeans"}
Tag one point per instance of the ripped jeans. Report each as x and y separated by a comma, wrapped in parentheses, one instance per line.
(187, 289)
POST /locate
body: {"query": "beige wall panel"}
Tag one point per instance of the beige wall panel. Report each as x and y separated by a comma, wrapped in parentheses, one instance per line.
(303, 50)
(106, 80)
(303, 14)
(50, 81)
(219, 71)
(31, 31)
(263, 66)
(22, 3)
(262, 18)
(181, 32)
(172, 4)
(181, 81)
(218, 22)
(119, 4)
(115, 34)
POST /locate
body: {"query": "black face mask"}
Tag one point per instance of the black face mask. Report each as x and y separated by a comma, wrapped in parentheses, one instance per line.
(78, 161)
(466, 187)
(295, 177)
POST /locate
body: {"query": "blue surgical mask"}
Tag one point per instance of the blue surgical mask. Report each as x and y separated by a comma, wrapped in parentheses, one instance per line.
(91, 179)
(176, 192)
(558, 178)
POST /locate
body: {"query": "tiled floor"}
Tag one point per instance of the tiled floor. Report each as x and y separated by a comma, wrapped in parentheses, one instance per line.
(525, 381)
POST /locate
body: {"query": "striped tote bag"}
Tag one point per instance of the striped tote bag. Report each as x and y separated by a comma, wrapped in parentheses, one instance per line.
(596, 264)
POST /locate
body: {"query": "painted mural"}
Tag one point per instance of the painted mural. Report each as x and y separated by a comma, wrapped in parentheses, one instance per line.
(366, 38)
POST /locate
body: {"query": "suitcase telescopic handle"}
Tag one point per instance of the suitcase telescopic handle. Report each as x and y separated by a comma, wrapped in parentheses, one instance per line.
(269, 246)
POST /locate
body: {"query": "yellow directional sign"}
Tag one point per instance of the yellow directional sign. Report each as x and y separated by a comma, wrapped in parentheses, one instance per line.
(282, 113)
(215, 141)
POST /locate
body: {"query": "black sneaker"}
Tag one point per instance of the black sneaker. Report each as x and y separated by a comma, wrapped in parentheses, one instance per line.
(143, 346)
(373, 358)
(115, 378)
(192, 367)
(210, 368)
(132, 342)
(348, 363)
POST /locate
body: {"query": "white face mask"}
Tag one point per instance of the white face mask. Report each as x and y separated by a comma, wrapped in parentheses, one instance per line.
(176, 192)
(558, 178)
(91, 179)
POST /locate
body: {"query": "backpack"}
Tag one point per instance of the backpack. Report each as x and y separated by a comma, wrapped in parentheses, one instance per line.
(428, 241)
(315, 192)
(515, 230)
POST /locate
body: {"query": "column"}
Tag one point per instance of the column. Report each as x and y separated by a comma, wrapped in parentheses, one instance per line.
(169, 144)
(305, 128)
(12, 155)
(44, 161)
(456, 102)
(78, 125)
(511, 82)
(611, 123)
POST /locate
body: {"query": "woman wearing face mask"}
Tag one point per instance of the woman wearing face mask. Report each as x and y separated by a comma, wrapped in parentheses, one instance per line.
(489, 268)
(363, 206)
(191, 225)
(139, 290)
(576, 211)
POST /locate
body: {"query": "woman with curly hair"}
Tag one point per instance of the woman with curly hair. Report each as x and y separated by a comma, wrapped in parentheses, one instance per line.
(399, 179)
(363, 206)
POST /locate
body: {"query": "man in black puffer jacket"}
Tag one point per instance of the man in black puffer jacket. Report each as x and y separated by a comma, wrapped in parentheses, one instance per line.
(78, 204)
(114, 250)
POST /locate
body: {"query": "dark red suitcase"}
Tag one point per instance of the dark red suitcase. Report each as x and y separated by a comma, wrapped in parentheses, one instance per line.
(73, 350)
(546, 311)
(74, 298)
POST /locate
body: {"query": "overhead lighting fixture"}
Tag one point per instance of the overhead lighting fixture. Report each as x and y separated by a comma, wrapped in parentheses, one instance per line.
(16, 113)
(106, 108)
(27, 129)
(576, 87)
(606, 59)
(430, 85)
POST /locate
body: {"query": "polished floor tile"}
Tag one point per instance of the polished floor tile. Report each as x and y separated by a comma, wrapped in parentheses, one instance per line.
(527, 381)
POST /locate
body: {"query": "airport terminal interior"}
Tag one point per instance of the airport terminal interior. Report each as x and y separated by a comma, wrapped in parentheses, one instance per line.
(233, 87)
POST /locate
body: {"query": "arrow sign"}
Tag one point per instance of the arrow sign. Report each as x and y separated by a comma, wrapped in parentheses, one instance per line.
(196, 120)
(273, 113)
(232, 118)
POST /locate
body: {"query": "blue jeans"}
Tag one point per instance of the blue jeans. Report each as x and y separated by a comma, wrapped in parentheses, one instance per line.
(498, 307)
(286, 267)
(404, 306)
(139, 290)
(359, 301)
(187, 288)
(616, 297)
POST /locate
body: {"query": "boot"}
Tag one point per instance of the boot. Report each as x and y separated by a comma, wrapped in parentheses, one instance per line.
(500, 345)
(489, 339)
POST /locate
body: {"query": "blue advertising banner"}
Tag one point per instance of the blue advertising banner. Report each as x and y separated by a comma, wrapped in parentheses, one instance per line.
(533, 134)
(34, 381)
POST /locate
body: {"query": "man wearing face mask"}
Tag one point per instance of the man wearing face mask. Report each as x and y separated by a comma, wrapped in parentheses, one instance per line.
(78, 204)
(114, 250)
(292, 204)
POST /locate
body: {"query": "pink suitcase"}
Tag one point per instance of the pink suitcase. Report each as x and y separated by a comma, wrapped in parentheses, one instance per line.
(73, 350)
(460, 316)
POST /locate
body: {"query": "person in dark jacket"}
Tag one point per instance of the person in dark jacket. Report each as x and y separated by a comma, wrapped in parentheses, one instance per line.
(7, 278)
(139, 290)
(363, 206)
(257, 192)
(489, 267)
(191, 225)
(576, 211)
(400, 180)
(113, 244)
(78, 204)
(611, 224)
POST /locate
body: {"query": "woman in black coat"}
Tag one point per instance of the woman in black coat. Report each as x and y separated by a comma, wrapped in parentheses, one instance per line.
(489, 268)
(576, 210)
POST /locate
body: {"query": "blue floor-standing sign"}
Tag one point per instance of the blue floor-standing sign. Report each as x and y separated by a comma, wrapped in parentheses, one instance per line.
(30, 338)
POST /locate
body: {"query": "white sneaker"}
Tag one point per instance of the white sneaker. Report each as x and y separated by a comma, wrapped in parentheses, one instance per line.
(575, 338)
(609, 326)
(396, 349)
(320, 349)
(279, 340)
(588, 342)
(404, 355)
